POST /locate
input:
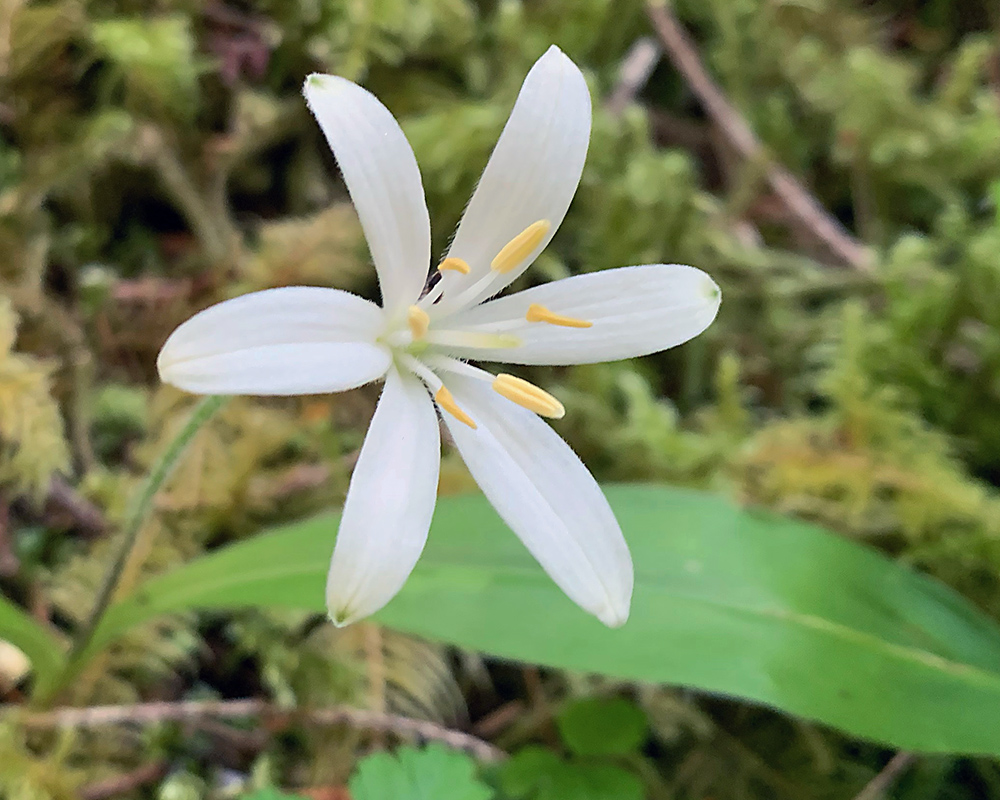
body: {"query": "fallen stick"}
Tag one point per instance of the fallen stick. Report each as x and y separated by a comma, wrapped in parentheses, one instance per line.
(796, 198)
(192, 710)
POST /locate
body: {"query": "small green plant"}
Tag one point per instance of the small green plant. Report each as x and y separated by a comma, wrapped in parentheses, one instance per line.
(430, 773)
(599, 733)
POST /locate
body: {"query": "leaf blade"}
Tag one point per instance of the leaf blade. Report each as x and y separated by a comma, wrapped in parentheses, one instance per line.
(727, 600)
(431, 773)
(43, 651)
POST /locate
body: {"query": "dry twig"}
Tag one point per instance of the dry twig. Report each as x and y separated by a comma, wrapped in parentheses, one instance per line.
(799, 202)
(193, 710)
(120, 784)
(65, 507)
(499, 719)
(638, 65)
(875, 788)
(9, 562)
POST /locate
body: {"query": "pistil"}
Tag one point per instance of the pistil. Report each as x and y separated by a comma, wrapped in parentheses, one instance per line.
(473, 339)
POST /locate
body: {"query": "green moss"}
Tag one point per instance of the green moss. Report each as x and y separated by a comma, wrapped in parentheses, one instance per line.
(153, 163)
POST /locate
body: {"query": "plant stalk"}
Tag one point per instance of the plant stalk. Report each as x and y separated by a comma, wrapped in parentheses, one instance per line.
(138, 513)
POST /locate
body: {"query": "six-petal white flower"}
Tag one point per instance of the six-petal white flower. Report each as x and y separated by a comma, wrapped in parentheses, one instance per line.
(302, 340)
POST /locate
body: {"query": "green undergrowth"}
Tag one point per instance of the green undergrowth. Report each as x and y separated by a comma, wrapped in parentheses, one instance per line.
(157, 157)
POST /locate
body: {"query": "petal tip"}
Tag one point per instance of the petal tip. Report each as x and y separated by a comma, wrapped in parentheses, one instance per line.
(614, 617)
(165, 360)
(341, 617)
(555, 59)
(710, 290)
(555, 53)
(319, 83)
(316, 80)
(162, 365)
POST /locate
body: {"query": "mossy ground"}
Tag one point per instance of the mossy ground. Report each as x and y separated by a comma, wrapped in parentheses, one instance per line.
(157, 157)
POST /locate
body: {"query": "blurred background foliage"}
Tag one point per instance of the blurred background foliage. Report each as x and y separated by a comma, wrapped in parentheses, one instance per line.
(156, 157)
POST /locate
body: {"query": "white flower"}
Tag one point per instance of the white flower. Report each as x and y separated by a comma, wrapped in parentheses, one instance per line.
(303, 340)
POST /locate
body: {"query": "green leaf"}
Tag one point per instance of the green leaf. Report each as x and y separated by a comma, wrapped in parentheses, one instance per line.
(529, 769)
(270, 793)
(534, 773)
(43, 651)
(727, 600)
(608, 782)
(602, 727)
(433, 773)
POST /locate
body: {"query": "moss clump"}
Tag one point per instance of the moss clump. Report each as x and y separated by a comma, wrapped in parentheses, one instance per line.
(156, 160)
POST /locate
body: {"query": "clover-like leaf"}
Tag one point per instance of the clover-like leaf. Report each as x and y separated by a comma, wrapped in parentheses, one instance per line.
(535, 773)
(602, 726)
(431, 773)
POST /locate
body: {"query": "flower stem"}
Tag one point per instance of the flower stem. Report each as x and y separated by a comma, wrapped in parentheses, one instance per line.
(137, 515)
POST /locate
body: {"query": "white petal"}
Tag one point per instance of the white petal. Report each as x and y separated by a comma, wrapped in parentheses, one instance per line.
(532, 174)
(294, 340)
(634, 310)
(389, 504)
(545, 494)
(382, 176)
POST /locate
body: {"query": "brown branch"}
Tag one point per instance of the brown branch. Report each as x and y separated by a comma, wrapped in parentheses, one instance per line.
(65, 507)
(120, 784)
(9, 562)
(497, 720)
(635, 69)
(375, 665)
(193, 710)
(800, 203)
(877, 786)
(993, 71)
(212, 227)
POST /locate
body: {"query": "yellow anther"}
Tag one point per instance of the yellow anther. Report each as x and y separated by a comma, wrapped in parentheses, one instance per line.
(419, 322)
(456, 264)
(444, 399)
(539, 313)
(520, 247)
(528, 395)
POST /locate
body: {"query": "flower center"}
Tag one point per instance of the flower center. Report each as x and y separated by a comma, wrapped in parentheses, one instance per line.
(510, 257)
(419, 321)
(418, 345)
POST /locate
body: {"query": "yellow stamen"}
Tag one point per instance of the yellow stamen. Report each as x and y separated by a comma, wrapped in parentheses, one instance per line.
(539, 313)
(456, 264)
(419, 322)
(528, 395)
(444, 399)
(520, 247)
